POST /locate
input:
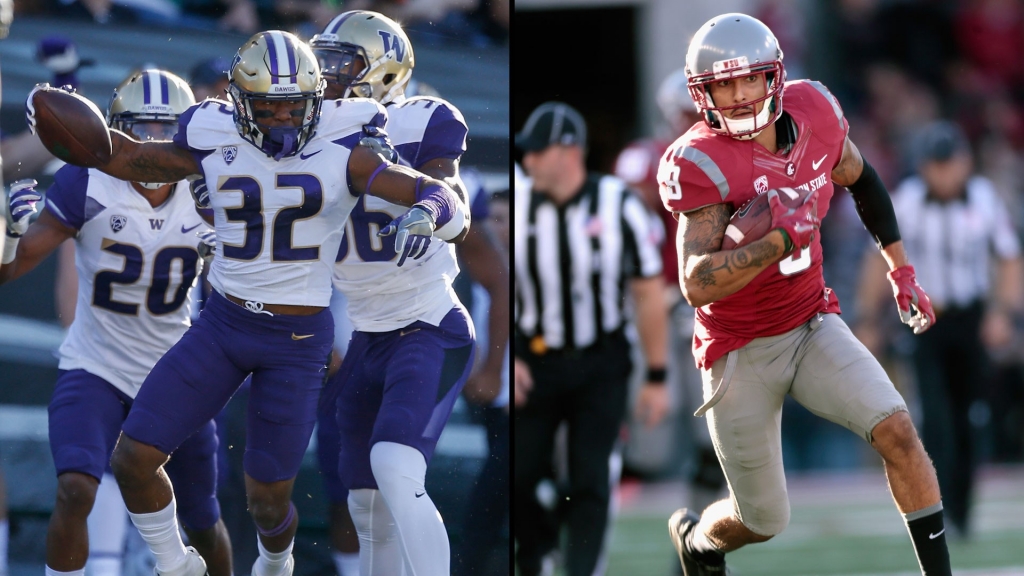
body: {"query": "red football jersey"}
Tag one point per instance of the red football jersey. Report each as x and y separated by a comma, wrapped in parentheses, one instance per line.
(702, 168)
(637, 164)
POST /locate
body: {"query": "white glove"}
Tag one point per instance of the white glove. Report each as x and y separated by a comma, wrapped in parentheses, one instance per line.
(412, 231)
(21, 205)
(207, 246)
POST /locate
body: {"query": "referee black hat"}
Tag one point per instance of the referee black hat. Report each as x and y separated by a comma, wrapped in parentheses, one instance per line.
(552, 123)
(941, 140)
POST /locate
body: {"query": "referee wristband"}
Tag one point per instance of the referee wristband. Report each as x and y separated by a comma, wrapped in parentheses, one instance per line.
(656, 375)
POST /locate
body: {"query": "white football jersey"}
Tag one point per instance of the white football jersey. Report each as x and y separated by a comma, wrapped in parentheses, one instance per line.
(279, 223)
(381, 296)
(137, 266)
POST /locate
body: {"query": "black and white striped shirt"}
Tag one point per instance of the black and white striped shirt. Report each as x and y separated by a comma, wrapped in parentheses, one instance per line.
(573, 261)
(952, 244)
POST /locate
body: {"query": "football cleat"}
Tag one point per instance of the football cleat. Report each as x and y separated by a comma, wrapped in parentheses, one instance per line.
(682, 522)
(194, 565)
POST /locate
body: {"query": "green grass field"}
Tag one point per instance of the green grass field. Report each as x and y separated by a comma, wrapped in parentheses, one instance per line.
(841, 524)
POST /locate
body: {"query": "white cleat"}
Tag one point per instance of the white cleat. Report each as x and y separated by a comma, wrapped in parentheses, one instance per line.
(289, 567)
(194, 565)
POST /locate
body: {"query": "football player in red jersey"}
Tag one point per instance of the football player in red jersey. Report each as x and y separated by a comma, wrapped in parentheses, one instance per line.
(766, 324)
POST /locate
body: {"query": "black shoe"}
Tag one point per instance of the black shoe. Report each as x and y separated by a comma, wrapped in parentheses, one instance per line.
(679, 525)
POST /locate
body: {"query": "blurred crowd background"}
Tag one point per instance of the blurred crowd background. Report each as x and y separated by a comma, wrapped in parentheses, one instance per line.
(461, 49)
(895, 66)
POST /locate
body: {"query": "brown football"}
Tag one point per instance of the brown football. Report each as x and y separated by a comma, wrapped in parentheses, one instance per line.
(71, 127)
(754, 219)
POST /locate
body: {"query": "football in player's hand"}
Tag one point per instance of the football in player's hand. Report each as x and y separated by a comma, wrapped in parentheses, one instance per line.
(754, 218)
(70, 126)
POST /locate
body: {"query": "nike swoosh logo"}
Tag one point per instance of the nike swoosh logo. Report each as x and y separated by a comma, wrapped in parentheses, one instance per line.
(934, 536)
(404, 333)
(814, 165)
(303, 337)
(420, 494)
(306, 156)
(187, 230)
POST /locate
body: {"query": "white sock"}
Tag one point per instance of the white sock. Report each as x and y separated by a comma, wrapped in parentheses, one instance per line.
(271, 563)
(4, 528)
(108, 526)
(52, 572)
(380, 551)
(160, 531)
(400, 471)
(103, 566)
(346, 563)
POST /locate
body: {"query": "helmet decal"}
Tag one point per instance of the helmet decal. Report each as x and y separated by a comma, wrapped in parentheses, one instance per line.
(367, 55)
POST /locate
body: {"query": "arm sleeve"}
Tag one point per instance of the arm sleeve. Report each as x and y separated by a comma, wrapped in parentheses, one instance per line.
(874, 206)
(67, 197)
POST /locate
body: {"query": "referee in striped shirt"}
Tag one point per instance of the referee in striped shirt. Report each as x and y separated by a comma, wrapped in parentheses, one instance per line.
(583, 243)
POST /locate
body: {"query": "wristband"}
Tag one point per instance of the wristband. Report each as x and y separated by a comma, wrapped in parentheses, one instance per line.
(374, 175)
(437, 200)
(10, 249)
(786, 241)
(656, 375)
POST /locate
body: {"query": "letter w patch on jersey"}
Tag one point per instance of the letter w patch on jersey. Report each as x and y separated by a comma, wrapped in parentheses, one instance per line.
(156, 224)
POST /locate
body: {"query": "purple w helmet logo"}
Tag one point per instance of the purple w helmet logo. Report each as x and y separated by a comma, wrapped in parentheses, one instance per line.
(396, 45)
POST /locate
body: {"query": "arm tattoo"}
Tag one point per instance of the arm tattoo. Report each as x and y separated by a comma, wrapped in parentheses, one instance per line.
(704, 230)
(702, 236)
(756, 255)
(161, 163)
(850, 165)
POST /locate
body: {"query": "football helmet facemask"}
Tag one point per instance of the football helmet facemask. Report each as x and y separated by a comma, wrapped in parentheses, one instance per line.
(734, 46)
(367, 54)
(147, 106)
(275, 66)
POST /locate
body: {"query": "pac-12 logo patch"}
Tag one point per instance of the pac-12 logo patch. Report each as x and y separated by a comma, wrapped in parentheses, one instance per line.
(230, 153)
(761, 184)
(117, 222)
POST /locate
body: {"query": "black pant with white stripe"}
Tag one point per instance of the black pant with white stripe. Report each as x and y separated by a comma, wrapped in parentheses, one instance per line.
(587, 389)
(953, 371)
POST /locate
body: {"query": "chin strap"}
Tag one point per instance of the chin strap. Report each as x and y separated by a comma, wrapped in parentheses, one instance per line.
(288, 139)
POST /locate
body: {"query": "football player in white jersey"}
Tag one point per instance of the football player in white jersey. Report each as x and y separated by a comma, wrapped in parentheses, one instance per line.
(412, 349)
(137, 254)
(283, 173)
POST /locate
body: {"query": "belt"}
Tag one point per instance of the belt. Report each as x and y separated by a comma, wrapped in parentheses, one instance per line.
(283, 309)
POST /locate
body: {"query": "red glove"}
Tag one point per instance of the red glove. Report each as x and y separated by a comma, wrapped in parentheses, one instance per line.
(915, 307)
(798, 223)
